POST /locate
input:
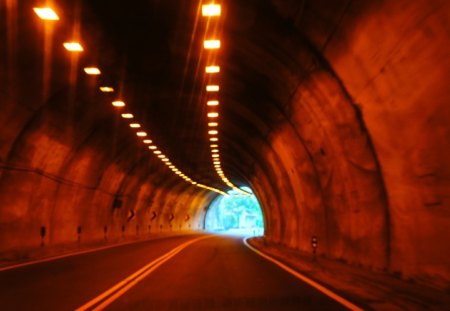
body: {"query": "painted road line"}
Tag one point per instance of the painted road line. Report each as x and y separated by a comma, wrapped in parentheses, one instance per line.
(307, 280)
(34, 262)
(106, 298)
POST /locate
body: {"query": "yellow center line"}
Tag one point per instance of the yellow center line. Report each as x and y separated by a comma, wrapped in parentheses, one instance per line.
(112, 294)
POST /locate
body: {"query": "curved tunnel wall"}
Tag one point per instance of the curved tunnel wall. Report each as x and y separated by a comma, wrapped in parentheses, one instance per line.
(360, 157)
(350, 143)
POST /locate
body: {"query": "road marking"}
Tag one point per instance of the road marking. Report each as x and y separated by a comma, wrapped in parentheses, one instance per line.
(305, 279)
(106, 298)
(29, 263)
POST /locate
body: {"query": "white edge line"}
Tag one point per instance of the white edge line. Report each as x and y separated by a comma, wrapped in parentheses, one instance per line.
(305, 279)
(93, 250)
(113, 293)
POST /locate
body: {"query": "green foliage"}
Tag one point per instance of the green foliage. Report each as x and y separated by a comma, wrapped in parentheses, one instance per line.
(233, 212)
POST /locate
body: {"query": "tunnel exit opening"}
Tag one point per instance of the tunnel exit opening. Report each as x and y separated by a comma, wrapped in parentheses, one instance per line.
(235, 214)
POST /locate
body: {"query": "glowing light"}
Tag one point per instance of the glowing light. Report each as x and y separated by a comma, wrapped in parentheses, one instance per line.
(215, 150)
(135, 125)
(215, 155)
(212, 69)
(118, 103)
(127, 115)
(73, 46)
(212, 103)
(46, 14)
(213, 132)
(214, 139)
(92, 71)
(161, 156)
(157, 152)
(213, 114)
(212, 88)
(214, 146)
(166, 160)
(211, 44)
(211, 10)
(141, 134)
(147, 141)
(106, 89)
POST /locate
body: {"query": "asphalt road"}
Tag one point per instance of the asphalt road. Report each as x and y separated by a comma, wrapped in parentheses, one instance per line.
(214, 273)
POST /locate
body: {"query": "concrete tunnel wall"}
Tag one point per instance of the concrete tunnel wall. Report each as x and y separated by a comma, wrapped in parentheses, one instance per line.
(351, 143)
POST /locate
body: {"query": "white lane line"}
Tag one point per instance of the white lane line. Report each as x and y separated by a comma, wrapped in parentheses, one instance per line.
(29, 263)
(305, 279)
(106, 298)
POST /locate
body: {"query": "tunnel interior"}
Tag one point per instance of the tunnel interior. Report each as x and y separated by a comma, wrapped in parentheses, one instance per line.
(335, 113)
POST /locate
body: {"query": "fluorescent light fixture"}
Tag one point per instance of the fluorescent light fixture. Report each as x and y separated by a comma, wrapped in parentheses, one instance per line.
(152, 147)
(213, 114)
(213, 124)
(92, 71)
(118, 103)
(46, 14)
(212, 69)
(127, 115)
(106, 89)
(212, 88)
(215, 155)
(211, 44)
(157, 152)
(165, 160)
(73, 46)
(215, 150)
(213, 139)
(214, 146)
(213, 132)
(211, 9)
(141, 134)
(147, 141)
(161, 156)
(135, 125)
(212, 103)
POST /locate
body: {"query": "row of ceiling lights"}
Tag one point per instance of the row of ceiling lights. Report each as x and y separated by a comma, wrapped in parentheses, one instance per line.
(49, 14)
(213, 10)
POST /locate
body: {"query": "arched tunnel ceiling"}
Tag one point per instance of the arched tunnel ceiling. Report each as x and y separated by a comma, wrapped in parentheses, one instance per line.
(153, 51)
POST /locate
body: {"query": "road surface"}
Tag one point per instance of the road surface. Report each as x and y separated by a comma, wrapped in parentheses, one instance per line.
(190, 272)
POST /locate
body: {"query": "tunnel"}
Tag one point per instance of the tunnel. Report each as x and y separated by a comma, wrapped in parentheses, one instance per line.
(120, 123)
